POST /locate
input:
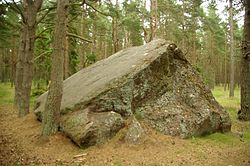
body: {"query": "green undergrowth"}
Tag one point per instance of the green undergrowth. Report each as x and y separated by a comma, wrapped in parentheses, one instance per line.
(6, 93)
(223, 98)
(213, 138)
(229, 138)
(240, 130)
(231, 104)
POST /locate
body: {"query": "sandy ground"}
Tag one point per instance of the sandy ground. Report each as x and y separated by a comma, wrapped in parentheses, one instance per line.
(20, 144)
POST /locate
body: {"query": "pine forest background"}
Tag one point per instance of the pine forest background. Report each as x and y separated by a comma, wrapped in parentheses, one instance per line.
(98, 29)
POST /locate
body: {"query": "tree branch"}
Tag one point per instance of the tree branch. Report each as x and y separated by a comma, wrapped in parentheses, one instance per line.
(40, 33)
(45, 14)
(246, 55)
(20, 11)
(95, 9)
(72, 19)
(40, 55)
(16, 8)
(79, 37)
(38, 4)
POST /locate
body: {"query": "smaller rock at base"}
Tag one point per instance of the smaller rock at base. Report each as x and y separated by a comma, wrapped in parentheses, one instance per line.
(135, 134)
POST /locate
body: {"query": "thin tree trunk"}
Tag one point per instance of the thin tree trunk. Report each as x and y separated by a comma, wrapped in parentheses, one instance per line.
(194, 56)
(115, 30)
(2, 65)
(156, 18)
(183, 41)
(212, 69)
(8, 65)
(115, 34)
(51, 113)
(94, 31)
(13, 66)
(145, 34)
(13, 63)
(244, 113)
(125, 38)
(24, 67)
(116, 27)
(166, 28)
(231, 91)
(153, 18)
(105, 46)
(225, 65)
(82, 33)
(66, 59)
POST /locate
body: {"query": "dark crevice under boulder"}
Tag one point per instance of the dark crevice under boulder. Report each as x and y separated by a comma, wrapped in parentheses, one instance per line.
(154, 79)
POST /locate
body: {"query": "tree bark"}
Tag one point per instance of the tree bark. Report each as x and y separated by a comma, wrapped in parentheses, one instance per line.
(24, 67)
(51, 113)
(13, 66)
(115, 34)
(82, 34)
(94, 38)
(66, 59)
(2, 65)
(231, 90)
(225, 64)
(244, 113)
(13, 62)
(153, 18)
(183, 26)
(145, 33)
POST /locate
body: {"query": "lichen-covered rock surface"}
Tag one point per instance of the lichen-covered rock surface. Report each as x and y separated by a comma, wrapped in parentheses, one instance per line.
(153, 81)
(135, 134)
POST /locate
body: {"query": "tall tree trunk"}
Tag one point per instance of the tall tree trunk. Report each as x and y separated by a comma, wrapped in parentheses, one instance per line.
(244, 113)
(115, 30)
(24, 67)
(51, 113)
(13, 62)
(225, 64)
(105, 46)
(113, 35)
(13, 66)
(115, 39)
(194, 54)
(145, 33)
(156, 18)
(94, 38)
(183, 41)
(66, 59)
(231, 91)
(82, 33)
(2, 65)
(153, 18)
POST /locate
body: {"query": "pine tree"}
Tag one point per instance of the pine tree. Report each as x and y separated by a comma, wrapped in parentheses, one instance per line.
(24, 67)
(232, 48)
(244, 113)
(51, 113)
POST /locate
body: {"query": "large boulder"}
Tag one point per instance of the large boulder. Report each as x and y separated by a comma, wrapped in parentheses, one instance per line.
(154, 80)
(87, 128)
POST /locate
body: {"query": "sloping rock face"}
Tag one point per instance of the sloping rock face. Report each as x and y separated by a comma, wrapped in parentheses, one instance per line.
(154, 79)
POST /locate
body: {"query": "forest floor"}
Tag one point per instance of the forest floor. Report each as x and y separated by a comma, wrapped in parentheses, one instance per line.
(20, 143)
